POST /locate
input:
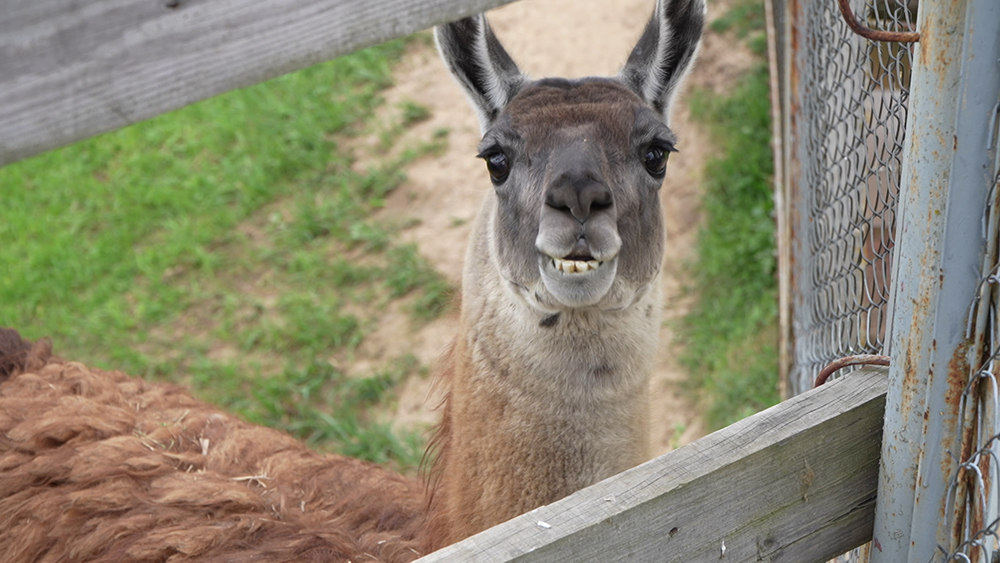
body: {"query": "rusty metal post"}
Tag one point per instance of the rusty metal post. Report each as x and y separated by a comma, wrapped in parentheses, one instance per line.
(941, 240)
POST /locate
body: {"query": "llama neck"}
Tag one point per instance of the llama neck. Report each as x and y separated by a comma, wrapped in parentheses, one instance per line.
(540, 407)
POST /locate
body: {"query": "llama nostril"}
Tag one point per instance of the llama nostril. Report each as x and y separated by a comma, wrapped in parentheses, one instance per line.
(596, 197)
(558, 205)
(579, 197)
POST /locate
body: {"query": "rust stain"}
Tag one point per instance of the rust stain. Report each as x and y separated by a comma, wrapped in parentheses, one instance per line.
(958, 379)
(909, 371)
(958, 376)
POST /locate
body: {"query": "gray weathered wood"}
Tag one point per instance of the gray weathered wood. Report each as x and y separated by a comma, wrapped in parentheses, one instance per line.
(795, 483)
(70, 70)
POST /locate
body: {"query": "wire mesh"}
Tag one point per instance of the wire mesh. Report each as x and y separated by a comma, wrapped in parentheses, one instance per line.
(972, 495)
(849, 119)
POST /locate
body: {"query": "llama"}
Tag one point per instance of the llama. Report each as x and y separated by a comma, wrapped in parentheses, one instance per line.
(561, 303)
(545, 385)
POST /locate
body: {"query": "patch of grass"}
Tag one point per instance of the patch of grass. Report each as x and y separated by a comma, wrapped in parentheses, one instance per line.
(313, 323)
(408, 272)
(730, 336)
(414, 113)
(319, 405)
(231, 241)
(745, 21)
(744, 18)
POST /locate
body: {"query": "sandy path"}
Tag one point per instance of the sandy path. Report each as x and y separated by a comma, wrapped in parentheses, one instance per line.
(546, 37)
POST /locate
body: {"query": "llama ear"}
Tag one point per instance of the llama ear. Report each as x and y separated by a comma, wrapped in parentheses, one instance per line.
(480, 64)
(663, 56)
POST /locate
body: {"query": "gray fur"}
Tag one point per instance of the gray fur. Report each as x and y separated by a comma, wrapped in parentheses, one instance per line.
(482, 66)
(665, 52)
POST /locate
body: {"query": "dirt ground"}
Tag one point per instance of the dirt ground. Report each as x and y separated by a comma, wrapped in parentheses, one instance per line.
(569, 38)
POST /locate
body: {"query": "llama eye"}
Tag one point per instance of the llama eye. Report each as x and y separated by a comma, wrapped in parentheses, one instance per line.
(498, 165)
(656, 161)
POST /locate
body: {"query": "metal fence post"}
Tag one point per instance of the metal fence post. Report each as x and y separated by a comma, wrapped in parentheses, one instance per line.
(948, 180)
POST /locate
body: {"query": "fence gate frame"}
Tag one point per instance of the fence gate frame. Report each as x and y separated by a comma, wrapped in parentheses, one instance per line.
(937, 415)
(937, 495)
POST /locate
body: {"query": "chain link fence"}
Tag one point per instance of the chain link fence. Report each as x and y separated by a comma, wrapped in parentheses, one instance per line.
(849, 114)
(844, 104)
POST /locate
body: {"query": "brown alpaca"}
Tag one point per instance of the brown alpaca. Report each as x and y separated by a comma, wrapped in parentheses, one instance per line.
(546, 382)
(96, 466)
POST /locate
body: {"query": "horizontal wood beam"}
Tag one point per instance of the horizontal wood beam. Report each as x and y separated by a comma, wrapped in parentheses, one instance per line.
(70, 70)
(795, 483)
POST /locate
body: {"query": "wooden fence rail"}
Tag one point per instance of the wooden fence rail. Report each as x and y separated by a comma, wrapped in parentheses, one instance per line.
(70, 70)
(795, 483)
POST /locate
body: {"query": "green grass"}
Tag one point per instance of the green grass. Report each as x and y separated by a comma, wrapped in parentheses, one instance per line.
(229, 245)
(320, 405)
(744, 18)
(746, 21)
(730, 337)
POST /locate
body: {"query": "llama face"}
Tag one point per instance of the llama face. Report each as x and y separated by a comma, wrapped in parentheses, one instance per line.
(577, 166)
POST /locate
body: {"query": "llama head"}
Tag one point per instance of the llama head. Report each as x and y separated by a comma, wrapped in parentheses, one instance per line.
(576, 165)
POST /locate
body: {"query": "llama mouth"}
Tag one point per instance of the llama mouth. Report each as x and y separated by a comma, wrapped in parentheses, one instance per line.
(576, 264)
(576, 280)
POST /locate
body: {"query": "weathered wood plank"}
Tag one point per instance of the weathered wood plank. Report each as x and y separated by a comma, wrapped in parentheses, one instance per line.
(70, 70)
(795, 483)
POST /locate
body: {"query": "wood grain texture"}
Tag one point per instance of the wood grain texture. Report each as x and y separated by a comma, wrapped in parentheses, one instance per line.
(795, 483)
(70, 69)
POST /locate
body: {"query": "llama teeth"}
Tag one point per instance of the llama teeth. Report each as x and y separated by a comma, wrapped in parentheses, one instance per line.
(575, 266)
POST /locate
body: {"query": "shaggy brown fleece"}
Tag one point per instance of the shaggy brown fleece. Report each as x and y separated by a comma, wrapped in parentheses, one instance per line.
(97, 466)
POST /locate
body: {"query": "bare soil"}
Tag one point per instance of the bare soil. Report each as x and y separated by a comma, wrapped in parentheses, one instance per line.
(438, 202)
